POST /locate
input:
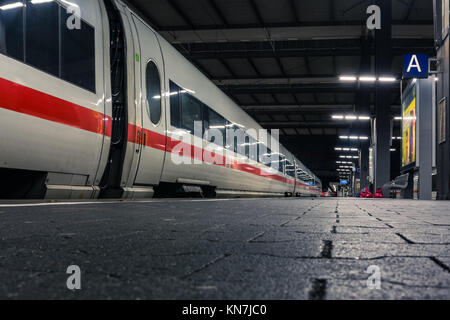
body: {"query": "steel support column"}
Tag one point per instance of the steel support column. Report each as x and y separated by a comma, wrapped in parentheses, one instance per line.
(363, 108)
(383, 66)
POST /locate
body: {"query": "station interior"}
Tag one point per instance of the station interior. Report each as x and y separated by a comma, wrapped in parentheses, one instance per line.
(356, 91)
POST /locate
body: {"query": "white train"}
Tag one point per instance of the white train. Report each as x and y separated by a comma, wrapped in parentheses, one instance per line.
(89, 98)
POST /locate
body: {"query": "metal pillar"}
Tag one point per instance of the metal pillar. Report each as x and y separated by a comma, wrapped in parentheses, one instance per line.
(363, 108)
(442, 40)
(425, 141)
(383, 66)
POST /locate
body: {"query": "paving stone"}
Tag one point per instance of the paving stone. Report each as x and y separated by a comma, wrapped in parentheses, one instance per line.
(228, 249)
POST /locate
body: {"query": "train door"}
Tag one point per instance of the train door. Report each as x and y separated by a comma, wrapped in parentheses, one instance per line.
(152, 106)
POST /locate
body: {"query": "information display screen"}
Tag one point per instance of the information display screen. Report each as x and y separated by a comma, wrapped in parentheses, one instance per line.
(409, 111)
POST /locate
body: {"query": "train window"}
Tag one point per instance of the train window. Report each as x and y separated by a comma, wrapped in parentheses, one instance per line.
(253, 149)
(42, 36)
(11, 30)
(265, 157)
(153, 84)
(282, 164)
(175, 115)
(77, 54)
(217, 122)
(247, 146)
(290, 169)
(191, 111)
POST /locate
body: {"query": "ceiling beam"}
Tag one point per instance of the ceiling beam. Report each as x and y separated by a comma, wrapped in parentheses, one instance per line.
(219, 13)
(257, 13)
(252, 64)
(326, 23)
(297, 48)
(181, 13)
(296, 33)
(409, 11)
(299, 88)
(303, 124)
(294, 11)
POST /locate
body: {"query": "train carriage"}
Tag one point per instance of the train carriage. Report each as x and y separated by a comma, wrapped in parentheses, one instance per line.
(94, 103)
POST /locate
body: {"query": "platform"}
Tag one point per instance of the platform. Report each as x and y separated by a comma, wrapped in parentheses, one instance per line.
(226, 249)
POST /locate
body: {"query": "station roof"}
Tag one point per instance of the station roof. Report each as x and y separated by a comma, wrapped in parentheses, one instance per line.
(280, 61)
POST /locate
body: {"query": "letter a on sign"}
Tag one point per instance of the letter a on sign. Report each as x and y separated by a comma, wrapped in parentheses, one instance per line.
(415, 66)
(374, 21)
(414, 63)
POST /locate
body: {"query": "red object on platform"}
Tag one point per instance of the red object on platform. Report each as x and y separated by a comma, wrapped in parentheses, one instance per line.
(368, 193)
(379, 193)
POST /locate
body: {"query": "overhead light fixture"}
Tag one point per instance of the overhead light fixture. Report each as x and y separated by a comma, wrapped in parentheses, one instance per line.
(398, 118)
(350, 117)
(353, 137)
(40, 1)
(392, 150)
(387, 79)
(346, 149)
(348, 78)
(367, 79)
(12, 6)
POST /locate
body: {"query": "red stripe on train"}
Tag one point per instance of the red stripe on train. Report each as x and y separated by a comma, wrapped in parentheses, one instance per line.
(18, 98)
(166, 143)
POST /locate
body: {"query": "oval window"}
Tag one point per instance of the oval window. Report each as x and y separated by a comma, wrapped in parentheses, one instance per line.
(153, 92)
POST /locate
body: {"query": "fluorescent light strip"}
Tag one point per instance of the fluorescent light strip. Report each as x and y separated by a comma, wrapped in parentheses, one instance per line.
(348, 78)
(367, 79)
(12, 6)
(387, 79)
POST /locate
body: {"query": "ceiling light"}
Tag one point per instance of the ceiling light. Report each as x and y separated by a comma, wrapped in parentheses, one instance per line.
(337, 117)
(343, 137)
(12, 6)
(367, 79)
(351, 117)
(348, 78)
(387, 79)
(364, 118)
(398, 118)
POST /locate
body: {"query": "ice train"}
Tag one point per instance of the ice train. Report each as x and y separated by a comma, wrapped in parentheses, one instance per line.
(90, 95)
